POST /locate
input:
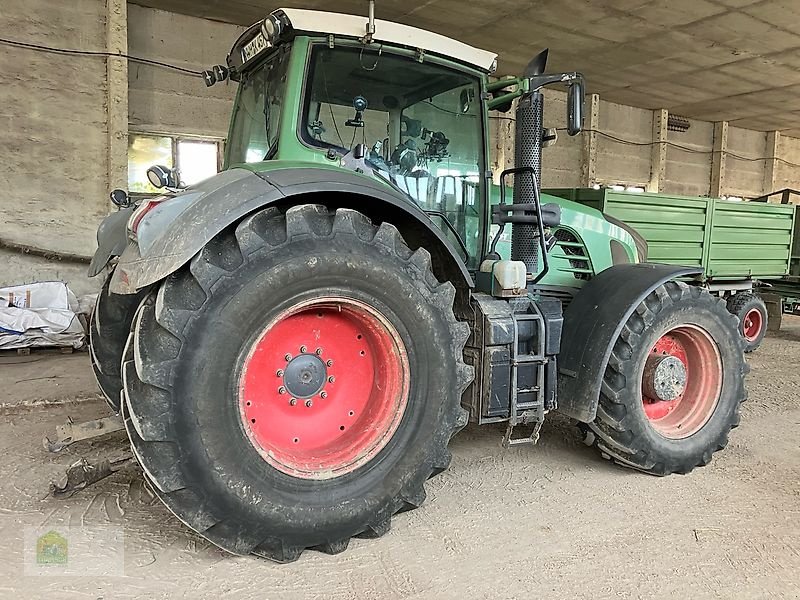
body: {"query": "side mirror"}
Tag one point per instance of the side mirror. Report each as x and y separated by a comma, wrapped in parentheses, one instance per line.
(161, 177)
(120, 198)
(575, 100)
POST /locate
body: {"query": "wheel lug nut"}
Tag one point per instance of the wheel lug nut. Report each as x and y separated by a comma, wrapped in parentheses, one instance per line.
(331, 379)
(309, 403)
(329, 362)
(318, 351)
(302, 349)
(323, 395)
(279, 373)
(281, 390)
(292, 402)
(287, 357)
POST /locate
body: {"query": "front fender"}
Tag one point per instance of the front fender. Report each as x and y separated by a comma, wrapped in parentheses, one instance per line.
(173, 232)
(592, 324)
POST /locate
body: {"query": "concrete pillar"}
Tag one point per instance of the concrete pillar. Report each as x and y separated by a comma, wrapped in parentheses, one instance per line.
(589, 153)
(770, 170)
(718, 159)
(503, 142)
(117, 95)
(658, 154)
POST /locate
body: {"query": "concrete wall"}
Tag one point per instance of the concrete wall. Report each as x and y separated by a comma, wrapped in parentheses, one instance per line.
(166, 101)
(745, 177)
(54, 115)
(688, 155)
(688, 172)
(53, 154)
(621, 162)
(558, 161)
(787, 176)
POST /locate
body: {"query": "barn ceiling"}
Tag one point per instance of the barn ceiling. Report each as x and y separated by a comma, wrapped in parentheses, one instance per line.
(733, 60)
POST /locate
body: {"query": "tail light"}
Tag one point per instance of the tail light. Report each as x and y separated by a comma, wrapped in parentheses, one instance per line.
(145, 207)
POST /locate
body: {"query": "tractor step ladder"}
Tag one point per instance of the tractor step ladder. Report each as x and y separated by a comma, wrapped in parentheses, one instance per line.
(530, 413)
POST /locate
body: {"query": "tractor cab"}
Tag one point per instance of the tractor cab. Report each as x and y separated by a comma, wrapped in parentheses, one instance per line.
(406, 108)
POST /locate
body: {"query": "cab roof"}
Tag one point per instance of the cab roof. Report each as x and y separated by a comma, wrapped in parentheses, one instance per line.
(316, 22)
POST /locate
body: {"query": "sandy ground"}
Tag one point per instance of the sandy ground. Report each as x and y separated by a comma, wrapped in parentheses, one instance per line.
(551, 521)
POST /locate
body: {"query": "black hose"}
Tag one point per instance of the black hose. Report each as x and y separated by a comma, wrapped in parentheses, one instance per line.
(44, 253)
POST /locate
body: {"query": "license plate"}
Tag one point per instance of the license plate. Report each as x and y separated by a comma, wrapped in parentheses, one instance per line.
(254, 47)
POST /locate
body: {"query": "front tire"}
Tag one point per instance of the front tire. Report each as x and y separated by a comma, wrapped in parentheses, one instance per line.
(673, 385)
(320, 308)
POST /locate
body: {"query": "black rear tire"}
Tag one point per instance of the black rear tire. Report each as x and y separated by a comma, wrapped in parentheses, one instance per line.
(109, 327)
(182, 381)
(622, 431)
(742, 305)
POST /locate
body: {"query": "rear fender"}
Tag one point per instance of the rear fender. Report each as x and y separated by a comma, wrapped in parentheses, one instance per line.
(176, 230)
(112, 239)
(592, 324)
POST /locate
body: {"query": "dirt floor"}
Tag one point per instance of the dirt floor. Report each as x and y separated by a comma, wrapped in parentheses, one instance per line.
(551, 521)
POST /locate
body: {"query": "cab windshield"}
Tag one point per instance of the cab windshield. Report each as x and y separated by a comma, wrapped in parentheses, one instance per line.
(421, 124)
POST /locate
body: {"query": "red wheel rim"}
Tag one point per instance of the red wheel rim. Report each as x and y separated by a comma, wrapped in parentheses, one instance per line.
(752, 324)
(324, 388)
(681, 382)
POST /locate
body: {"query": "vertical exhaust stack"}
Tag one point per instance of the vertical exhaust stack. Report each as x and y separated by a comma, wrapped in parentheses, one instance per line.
(528, 153)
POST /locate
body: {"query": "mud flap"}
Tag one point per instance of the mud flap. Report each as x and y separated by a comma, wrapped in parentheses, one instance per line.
(592, 323)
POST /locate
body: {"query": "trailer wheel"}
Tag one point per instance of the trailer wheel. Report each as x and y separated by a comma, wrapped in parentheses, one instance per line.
(673, 385)
(752, 314)
(109, 327)
(297, 383)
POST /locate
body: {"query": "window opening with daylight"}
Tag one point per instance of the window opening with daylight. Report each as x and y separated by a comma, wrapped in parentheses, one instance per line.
(196, 159)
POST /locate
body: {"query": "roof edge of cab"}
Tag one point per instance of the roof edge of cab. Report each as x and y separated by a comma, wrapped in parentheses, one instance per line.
(302, 21)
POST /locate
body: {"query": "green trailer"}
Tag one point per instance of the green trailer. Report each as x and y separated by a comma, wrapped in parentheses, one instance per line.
(744, 248)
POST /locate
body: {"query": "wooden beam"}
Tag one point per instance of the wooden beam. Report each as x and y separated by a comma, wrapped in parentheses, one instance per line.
(589, 151)
(658, 154)
(117, 94)
(719, 159)
(770, 166)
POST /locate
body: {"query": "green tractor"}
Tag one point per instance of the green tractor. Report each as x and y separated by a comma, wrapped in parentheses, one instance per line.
(293, 343)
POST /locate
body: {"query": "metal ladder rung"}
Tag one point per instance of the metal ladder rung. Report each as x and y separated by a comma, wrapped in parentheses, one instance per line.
(528, 405)
(529, 390)
(529, 358)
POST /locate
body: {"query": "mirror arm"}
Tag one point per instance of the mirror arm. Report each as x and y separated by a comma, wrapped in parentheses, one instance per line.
(540, 81)
(520, 87)
(501, 84)
(499, 101)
